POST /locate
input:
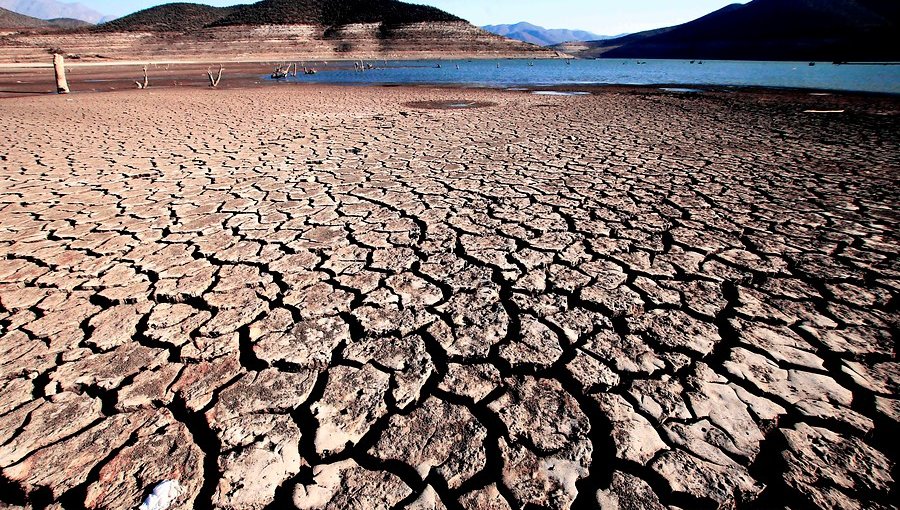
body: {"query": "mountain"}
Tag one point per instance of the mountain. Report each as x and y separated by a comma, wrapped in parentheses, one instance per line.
(51, 9)
(10, 19)
(176, 17)
(823, 30)
(334, 12)
(541, 36)
(275, 30)
(14, 20)
(596, 48)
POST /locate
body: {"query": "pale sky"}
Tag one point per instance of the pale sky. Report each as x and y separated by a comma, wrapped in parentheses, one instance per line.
(604, 17)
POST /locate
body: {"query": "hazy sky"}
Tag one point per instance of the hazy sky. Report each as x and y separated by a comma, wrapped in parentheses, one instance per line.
(605, 17)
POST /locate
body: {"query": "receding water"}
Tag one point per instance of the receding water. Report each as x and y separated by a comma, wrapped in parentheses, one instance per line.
(512, 73)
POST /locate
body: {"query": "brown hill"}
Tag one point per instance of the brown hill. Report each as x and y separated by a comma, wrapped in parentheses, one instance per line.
(68, 23)
(175, 17)
(334, 12)
(10, 19)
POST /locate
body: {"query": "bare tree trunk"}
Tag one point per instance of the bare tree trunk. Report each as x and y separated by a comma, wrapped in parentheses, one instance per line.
(214, 82)
(59, 67)
(146, 83)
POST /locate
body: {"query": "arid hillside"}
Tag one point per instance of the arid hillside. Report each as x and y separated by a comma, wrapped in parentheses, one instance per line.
(272, 29)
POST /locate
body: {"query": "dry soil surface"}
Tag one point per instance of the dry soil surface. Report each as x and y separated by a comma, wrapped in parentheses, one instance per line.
(335, 297)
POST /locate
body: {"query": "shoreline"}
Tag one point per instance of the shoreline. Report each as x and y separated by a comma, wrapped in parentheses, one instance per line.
(678, 89)
(21, 79)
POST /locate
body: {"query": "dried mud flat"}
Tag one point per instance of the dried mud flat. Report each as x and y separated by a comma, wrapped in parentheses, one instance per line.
(318, 297)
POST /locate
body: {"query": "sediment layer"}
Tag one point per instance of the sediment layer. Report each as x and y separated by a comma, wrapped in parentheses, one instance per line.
(274, 42)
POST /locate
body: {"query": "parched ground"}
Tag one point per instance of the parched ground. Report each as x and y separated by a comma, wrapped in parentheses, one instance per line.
(321, 297)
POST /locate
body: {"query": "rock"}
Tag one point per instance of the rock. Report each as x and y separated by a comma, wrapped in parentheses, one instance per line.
(115, 326)
(438, 437)
(676, 329)
(635, 438)
(488, 498)
(627, 354)
(541, 414)
(727, 484)
(814, 394)
(260, 453)
(352, 402)
(173, 323)
(167, 453)
(347, 486)
(781, 343)
(546, 482)
(628, 492)
(109, 369)
(592, 374)
(428, 500)
(718, 401)
(41, 423)
(63, 465)
(197, 383)
(478, 322)
(474, 382)
(309, 343)
(835, 471)
(536, 344)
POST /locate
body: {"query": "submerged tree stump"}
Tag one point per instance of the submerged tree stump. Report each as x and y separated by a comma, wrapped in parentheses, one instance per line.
(59, 67)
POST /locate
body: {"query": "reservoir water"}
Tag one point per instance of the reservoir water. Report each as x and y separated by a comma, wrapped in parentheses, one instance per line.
(676, 73)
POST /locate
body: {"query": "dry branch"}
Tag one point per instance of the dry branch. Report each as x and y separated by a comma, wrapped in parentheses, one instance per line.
(146, 83)
(214, 81)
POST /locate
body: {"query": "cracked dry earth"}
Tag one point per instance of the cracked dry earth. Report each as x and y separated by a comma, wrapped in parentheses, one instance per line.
(325, 298)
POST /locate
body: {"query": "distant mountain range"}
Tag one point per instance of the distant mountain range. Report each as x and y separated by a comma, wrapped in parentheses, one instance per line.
(541, 36)
(823, 30)
(14, 20)
(51, 9)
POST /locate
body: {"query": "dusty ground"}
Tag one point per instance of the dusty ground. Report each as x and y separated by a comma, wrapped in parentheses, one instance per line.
(330, 298)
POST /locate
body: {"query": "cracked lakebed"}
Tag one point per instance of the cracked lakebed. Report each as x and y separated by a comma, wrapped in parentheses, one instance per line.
(327, 298)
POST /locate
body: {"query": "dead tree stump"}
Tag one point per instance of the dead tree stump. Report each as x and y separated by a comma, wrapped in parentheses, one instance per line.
(146, 83)
(59, 67)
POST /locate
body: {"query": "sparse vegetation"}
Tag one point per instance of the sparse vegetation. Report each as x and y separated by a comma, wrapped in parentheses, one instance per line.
(175, 17)
(334, 12)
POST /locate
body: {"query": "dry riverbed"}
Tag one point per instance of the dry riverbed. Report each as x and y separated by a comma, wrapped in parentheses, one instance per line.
(371, 297)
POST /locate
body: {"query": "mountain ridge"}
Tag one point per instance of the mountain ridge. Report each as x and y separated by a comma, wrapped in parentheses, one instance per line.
(822, 30)
(534, 34)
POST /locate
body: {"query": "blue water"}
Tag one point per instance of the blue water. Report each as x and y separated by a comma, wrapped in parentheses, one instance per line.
(511, 73)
